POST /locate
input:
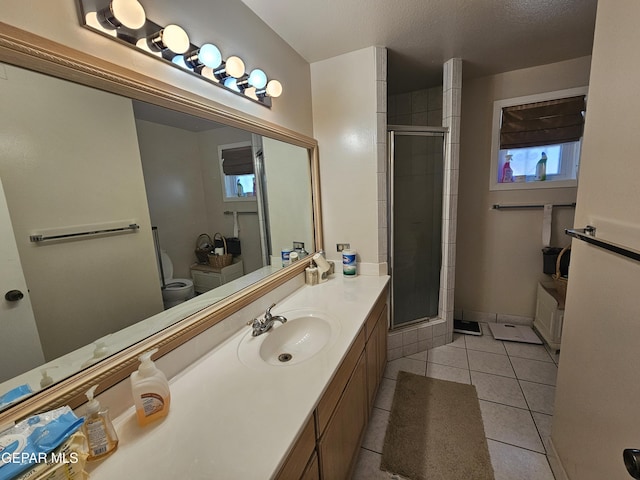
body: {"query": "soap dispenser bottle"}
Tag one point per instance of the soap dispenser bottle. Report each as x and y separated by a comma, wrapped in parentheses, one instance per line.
(150, 390)
(97, 427)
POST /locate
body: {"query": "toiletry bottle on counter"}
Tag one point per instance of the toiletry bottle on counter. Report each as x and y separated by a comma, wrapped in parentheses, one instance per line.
(311, 275)
(541, 168)
(150, 390)
(285, 255)
(101, 436)
(507, 171)
(349, 266)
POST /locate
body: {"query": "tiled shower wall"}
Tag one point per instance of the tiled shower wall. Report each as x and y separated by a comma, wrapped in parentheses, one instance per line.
(422, 107)
(438, 106)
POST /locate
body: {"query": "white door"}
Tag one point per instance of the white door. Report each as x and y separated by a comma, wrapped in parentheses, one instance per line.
(20, 348)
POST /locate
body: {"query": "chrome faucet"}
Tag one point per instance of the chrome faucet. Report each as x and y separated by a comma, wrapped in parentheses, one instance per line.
(263, 325)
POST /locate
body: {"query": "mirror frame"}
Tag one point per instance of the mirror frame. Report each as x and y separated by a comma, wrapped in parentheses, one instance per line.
(30, 51)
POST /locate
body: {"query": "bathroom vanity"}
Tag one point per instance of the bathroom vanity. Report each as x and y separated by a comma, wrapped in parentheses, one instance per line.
(236, 416)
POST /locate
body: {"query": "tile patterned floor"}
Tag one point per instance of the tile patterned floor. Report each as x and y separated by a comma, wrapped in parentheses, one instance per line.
(516, 388)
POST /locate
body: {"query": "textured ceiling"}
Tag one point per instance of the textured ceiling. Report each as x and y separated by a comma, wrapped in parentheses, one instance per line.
(491, 36)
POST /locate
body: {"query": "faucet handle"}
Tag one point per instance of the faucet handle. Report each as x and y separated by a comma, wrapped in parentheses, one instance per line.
(255, 322)
(267, 314)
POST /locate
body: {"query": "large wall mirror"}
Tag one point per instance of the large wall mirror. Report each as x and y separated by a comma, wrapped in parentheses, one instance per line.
(111, 193)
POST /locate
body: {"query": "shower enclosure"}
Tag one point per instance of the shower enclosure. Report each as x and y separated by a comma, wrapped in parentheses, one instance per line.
(416, 159)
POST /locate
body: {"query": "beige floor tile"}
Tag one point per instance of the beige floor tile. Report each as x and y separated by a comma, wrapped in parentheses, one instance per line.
(493, 363)
(543, 422)
(384, 397)
(527, 350)
(485, 343)
(539, 397)
(510, 425)
(535, 371)
(444, 372)
(376, 429)
(496, 388)
(449, 356)
(513, 463)
(405, 364)
(458, 341)
(422, 356)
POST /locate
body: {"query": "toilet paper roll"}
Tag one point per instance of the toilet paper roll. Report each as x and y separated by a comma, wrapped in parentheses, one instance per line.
(546, 225)
(321, 262)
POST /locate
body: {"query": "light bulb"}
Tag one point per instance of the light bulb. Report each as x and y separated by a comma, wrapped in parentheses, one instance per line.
(143, 44)
(91, 19)
(128, 13)
(209, 55)
(257, 79)
(232, 84)
(234, 67)
(274, 88)
(179, 60)
(208, 73)
(251, 93)
(171, 37)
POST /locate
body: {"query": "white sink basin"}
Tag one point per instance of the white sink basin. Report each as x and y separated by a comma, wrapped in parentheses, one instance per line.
(305, 334)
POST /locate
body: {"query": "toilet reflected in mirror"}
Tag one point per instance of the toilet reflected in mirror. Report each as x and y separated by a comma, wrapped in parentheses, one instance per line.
(174, 290)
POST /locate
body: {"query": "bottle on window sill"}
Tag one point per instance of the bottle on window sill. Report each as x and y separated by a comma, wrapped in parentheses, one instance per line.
(507, 171)
(541, 168)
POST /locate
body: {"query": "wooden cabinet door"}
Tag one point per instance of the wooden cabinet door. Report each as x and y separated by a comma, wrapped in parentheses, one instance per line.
(338, 447)
(313, 469)
(382, 342)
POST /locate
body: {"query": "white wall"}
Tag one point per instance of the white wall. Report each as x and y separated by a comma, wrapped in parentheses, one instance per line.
(172, 165)
(229, 24)
(289, 200)
(349, 119)
(597, 389)
(64, 165)
(499, 259)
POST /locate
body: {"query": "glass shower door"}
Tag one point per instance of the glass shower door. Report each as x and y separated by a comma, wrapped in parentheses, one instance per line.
(416, 185)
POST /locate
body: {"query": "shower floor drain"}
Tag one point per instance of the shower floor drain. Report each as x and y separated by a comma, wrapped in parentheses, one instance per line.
(285, 357)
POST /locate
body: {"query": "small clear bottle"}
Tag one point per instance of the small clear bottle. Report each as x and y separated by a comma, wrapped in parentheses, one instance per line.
(97, 427)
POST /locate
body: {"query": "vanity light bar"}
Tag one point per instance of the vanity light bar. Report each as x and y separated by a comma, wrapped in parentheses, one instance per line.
(125, 20)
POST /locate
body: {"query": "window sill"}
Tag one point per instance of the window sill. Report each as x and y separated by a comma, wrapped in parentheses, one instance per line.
(494, 186)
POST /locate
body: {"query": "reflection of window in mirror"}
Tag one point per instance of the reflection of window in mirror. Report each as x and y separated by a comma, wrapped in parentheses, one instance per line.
(237, 172)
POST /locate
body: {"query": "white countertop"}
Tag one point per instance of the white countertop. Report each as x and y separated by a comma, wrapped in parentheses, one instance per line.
(230, 421)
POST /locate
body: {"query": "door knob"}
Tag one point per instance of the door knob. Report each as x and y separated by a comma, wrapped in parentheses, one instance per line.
(631, 458)
(13, 295)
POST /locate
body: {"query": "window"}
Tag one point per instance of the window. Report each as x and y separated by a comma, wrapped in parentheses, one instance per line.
(535, 130)
(237, 172)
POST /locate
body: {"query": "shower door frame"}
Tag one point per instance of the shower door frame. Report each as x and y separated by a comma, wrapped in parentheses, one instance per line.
(406, 130)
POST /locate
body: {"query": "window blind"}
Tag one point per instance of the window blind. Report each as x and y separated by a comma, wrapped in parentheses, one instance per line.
(542, 123)
(237, 161)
